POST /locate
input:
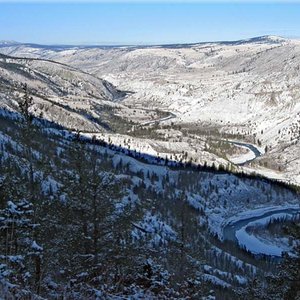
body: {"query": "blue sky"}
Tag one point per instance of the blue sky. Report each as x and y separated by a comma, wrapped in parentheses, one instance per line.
(145, 23)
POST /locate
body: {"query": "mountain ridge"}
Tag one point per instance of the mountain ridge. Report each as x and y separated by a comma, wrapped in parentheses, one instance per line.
(263, 38)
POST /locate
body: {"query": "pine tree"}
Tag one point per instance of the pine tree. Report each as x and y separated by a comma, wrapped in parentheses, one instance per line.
(21, 251)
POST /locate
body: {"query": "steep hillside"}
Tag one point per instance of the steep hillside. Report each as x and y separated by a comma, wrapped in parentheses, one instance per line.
(61, 93)
(82, 220)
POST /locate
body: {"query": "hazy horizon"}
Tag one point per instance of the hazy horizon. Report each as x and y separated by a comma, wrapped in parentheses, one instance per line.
(139, 23)
(115, 44)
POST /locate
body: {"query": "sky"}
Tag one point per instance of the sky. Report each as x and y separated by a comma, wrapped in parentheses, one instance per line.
(96, 22)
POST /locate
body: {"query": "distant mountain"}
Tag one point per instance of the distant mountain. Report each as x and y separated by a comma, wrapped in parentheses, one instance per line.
(60, 47)
(269, 39)
(6, 43)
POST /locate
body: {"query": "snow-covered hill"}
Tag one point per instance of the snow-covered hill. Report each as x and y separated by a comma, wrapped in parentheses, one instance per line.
(61, 93)
(249, 88)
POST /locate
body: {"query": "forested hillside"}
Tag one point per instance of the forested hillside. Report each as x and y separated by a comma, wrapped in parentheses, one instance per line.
(81, 220)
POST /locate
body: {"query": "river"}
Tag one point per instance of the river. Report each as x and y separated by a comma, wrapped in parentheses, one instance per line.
(257, 153)
(230, 230)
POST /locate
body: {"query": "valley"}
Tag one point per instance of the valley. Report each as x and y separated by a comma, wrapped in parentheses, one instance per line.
(189, 153)
(212, 90)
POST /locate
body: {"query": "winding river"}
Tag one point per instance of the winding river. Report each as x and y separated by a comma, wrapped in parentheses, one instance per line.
(230, 230)
(257, 153)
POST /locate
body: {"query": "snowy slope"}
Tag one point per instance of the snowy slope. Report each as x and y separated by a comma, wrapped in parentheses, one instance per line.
(248, 87)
